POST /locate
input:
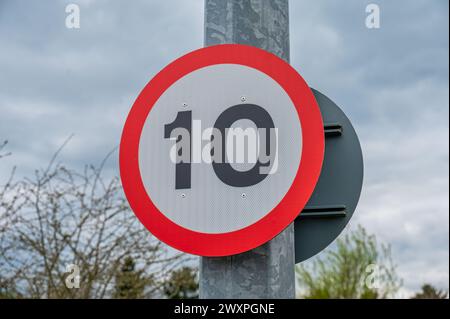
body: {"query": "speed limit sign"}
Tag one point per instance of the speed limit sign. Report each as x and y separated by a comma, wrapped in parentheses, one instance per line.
(221, 150)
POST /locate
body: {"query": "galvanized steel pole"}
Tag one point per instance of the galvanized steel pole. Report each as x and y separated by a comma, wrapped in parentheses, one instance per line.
(267, 271)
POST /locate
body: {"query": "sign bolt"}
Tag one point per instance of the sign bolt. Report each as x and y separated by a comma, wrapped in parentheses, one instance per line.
(243, 98)
(244, 195)
(185, 104)
(183, 195)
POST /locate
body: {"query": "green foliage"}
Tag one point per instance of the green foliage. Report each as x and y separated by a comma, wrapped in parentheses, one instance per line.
(430, 292)
(130, 283)
(182, 284)
(6, 294)
(358, 269)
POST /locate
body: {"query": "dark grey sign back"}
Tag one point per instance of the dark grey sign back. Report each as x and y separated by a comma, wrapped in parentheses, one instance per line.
(339, 187)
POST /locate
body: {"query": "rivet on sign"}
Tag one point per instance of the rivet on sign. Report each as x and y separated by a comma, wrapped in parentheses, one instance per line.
(243, 99)
(183, 195)
(185, 105)
(244, 195)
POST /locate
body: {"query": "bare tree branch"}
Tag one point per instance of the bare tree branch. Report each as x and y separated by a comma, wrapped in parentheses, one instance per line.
(62, 217)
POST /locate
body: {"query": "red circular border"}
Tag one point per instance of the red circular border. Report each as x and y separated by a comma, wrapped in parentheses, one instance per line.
(290, 206)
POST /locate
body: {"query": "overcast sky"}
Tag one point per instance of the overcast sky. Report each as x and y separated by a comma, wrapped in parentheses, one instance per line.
(392, 82)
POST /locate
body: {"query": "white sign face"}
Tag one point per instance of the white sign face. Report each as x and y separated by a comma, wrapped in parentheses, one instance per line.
(209, 205)
(222, 150)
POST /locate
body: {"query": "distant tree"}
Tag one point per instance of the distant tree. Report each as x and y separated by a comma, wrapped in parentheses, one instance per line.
(10, 202)
(430, 292)
(358, 269)
(130, 283)
(182, 284)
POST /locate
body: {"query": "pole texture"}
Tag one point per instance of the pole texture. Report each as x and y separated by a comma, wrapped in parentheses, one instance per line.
(267, 271)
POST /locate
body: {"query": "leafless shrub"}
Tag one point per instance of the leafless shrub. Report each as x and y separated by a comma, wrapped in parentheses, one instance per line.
(62, 217)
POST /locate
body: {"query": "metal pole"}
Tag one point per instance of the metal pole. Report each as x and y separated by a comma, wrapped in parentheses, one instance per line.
(267, 271)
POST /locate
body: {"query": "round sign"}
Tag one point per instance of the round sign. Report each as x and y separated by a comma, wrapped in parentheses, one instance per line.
(221, 150)
(337, 192)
